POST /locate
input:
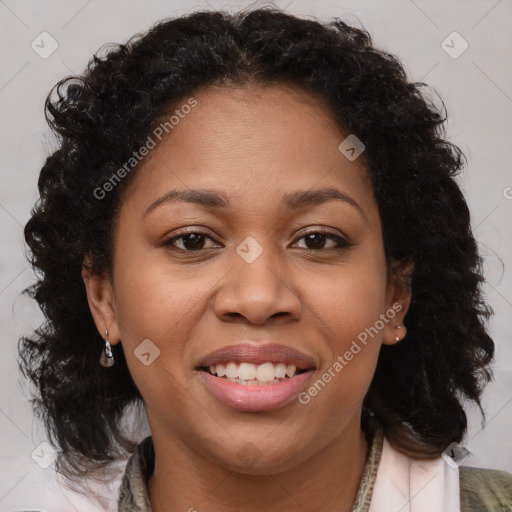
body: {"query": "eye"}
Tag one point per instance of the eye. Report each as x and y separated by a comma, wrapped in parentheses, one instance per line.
(191, 241)
(194, 241)
(317, 239)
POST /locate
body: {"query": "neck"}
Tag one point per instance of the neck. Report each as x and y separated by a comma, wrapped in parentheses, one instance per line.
(329, 480)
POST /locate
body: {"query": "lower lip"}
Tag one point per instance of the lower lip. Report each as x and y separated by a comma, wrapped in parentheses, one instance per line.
(257, 397)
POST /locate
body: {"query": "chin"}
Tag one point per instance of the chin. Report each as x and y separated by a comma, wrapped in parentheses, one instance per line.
(253, 460)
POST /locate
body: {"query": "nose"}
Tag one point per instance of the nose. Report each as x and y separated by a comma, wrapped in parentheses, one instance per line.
(256, 290)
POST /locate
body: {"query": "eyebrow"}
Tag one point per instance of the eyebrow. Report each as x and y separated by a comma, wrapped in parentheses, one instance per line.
(293, 201)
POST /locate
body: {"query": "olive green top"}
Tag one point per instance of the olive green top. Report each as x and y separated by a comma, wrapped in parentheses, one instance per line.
(481, 490)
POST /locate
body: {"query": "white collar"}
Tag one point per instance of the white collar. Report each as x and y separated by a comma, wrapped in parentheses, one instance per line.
(404, 484)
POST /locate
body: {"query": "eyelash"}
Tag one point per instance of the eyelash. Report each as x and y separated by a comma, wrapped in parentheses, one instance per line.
(342, 243)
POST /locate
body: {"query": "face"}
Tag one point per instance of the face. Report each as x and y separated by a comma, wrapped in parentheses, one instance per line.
(252, 267)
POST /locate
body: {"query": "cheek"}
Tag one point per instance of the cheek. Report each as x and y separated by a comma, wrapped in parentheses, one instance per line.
(153, 312)
(155, 318)
(348, 300)
(347, 307)
(153, 299)
(159, 302)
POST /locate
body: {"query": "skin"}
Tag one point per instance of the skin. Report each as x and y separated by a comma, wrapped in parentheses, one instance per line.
(254, 145)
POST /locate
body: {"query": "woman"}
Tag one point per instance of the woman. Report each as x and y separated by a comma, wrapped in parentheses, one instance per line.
(254, 219)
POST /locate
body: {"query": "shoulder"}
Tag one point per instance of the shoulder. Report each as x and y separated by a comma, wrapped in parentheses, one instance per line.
(485, 490)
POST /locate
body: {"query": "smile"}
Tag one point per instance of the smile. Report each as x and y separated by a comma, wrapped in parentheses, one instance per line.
(268, 390)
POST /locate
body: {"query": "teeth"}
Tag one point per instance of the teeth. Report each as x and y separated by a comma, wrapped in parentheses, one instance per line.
(247, 371)
(232, 371)
(281, 371)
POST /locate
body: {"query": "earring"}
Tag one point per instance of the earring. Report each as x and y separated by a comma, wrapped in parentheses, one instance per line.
(398, 327)
(106, 358)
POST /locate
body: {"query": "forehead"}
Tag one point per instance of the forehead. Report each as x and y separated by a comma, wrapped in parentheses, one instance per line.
(252, 142)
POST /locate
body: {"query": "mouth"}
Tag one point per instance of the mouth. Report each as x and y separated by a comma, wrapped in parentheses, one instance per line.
(250, 359)
(254, 376)
(267, 390)
(249, 374)
(255, 395)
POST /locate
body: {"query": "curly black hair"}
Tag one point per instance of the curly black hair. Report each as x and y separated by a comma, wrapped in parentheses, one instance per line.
(102, 116)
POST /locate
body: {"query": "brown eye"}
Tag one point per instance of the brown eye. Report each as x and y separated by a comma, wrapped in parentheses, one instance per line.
(315, 240)
(192, 241)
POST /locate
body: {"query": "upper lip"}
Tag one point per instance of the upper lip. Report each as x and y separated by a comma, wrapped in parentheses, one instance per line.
(258, 354)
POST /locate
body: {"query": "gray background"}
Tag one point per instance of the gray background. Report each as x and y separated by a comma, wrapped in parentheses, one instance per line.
(476, 88)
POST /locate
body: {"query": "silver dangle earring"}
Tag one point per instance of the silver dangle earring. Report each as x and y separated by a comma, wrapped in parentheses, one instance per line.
(106, 358)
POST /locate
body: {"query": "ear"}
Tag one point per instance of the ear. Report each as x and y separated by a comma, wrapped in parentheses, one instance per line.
(398, 300)
(100, 296)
